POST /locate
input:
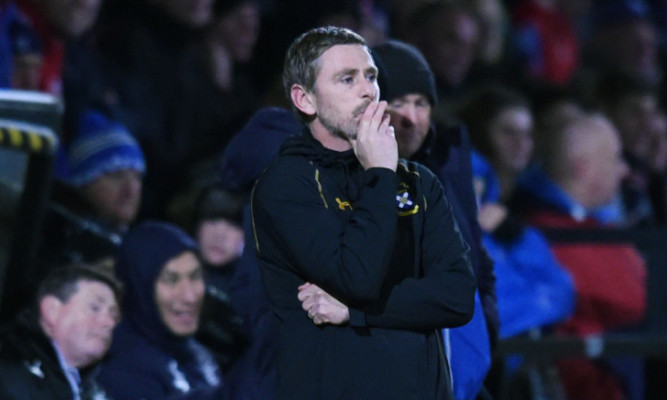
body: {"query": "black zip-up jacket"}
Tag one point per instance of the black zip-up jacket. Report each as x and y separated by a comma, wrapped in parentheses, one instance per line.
(385, 244)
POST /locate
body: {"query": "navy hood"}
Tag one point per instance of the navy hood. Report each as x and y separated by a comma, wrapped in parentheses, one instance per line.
(140, 259)
(255, 146)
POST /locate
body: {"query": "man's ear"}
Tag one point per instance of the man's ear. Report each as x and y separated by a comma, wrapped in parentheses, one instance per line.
(303, 100)
(49, 310)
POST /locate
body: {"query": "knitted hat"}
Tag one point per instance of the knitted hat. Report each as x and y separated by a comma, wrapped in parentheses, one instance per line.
(255, 145)
(403, 70)
(101, 146)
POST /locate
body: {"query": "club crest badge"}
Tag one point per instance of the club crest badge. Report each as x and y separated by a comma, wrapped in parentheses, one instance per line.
(405, 204)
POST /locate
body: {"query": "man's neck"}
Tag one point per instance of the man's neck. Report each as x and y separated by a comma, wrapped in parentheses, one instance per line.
(327, 138)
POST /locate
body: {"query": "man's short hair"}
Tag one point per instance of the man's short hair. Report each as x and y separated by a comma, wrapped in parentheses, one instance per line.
(301, 61)
(62, 282)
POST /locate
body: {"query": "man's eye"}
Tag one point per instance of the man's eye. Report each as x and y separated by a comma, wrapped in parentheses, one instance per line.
(371, 77)
(169, 279)
(347, 79)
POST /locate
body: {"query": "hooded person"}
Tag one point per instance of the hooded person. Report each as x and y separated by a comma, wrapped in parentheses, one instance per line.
(154, 346)
(408, 85)
(253, 375)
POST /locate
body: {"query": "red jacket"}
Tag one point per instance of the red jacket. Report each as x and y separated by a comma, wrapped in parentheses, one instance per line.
(610, 278)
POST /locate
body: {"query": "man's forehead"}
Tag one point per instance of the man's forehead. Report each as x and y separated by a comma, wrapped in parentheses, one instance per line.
(93, 288)
(184, 263)
(345, 56)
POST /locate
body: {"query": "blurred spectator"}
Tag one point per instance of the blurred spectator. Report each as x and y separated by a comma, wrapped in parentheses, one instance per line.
(97, 193)
(632, 105)
(533, 289)
(448, 35)
(493, 24)
(232, 42)
(501, 128)
(217, 228)
(56, 23)
(48, 45)
(27, 58)
(158, 58)
(581, 174)
(546, 39)
(408, 85)
(51, 350)
(623, 40)
(253, 375)
(254, 146)
(154, 345)
(551, 105)
(495, 60)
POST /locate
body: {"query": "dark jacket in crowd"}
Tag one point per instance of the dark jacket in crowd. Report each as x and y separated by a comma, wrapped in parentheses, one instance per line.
(29, 366)
(147, 361)
(385, 244)
(447, 154)
(72, 232)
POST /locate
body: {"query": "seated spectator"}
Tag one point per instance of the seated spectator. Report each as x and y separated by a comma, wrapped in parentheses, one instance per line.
(218, 230)
(154, 344)
(52, 349)
(97, 193)
(633, 107)
(533, 291)
(501, 129)
(217, 227)
(623, 40)
(580, 176)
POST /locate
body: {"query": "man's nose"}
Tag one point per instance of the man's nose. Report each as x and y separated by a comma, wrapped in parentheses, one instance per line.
(188, 292)
(369, 90)
(408, 115)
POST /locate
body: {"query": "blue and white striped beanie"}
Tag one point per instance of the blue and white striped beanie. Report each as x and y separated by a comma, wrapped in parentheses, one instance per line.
(101, 146)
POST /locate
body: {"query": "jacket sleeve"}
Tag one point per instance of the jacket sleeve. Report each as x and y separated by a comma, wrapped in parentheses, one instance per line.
(445, 295)
(298, 230)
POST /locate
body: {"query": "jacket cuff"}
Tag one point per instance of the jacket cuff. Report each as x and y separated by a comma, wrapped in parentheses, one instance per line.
(357, 318)
(375, 174)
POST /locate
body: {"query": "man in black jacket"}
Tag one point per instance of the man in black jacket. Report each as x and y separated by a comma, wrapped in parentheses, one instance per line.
(360, 242)
(51, 352)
